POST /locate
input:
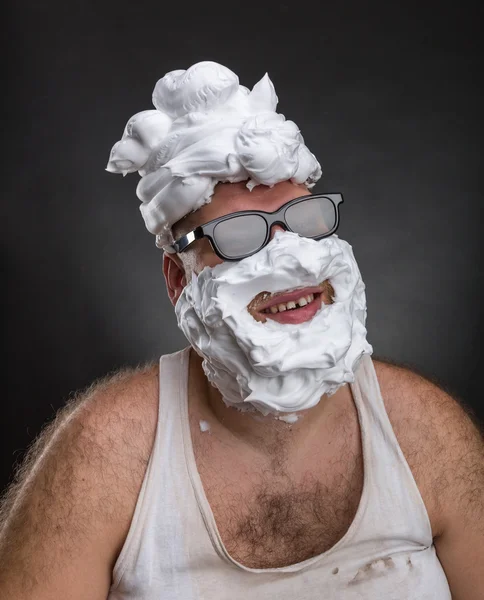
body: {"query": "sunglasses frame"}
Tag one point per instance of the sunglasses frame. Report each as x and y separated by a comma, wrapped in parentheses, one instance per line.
(276, 217)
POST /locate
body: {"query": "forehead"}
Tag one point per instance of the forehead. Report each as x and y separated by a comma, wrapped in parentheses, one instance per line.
(232, 197)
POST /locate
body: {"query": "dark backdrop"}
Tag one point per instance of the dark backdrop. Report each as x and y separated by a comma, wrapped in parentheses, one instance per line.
(386, 95)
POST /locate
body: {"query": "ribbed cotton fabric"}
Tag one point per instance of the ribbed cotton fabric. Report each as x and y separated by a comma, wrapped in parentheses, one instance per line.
(173, 550)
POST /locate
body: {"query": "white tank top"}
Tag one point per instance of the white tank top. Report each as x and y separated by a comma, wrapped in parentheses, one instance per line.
(174, 551)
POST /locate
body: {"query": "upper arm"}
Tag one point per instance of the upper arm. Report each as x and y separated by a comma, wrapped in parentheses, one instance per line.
(65, 519)
(449, 442)
(460, 547)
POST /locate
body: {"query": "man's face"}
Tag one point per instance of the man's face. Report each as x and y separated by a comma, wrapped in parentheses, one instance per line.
(229, 198)
(260, 323)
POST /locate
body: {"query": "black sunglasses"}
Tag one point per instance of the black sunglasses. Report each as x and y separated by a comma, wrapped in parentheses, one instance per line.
(240, 234)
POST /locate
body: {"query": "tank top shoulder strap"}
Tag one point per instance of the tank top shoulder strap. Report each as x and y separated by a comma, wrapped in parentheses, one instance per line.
(173, 377)
(168, 449)
(396, 502)
(166, 485)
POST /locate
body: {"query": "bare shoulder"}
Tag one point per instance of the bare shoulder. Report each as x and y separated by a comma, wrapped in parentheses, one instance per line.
(440, 436)
(73, 497)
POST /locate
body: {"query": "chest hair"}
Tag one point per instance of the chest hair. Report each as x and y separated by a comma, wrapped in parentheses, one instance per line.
(269, 518)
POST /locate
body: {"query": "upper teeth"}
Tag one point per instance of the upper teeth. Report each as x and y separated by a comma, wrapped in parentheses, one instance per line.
(290, 305)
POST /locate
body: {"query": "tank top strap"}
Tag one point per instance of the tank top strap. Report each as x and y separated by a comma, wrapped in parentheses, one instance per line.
(397, 507)
(173, 384)
(166, 521)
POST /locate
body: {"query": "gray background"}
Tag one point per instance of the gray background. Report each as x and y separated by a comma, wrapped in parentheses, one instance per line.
(387, 96)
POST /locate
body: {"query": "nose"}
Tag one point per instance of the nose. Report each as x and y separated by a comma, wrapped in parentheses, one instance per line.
(275, 228)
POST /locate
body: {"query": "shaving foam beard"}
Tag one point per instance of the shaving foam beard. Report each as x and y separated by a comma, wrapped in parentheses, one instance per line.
(275, 367)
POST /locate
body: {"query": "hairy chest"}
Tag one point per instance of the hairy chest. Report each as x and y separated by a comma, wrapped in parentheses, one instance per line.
(270, 514)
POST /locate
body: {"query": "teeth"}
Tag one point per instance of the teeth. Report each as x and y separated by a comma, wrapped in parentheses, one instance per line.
(303, 301)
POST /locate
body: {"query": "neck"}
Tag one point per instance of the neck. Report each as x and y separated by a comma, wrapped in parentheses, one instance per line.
(259, 432)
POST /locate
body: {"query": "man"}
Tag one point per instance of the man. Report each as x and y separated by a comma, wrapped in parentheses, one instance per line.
(274, 457)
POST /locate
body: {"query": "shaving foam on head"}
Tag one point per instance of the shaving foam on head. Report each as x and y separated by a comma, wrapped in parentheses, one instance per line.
(207, 128)
(274, 367)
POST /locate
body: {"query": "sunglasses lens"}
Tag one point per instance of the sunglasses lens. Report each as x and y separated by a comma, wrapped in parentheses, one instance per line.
(241, 235)
(312, 217)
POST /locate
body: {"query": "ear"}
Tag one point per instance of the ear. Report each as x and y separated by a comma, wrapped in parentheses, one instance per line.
(175, 276)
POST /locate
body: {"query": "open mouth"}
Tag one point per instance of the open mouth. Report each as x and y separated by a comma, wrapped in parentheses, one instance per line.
(291, 306)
